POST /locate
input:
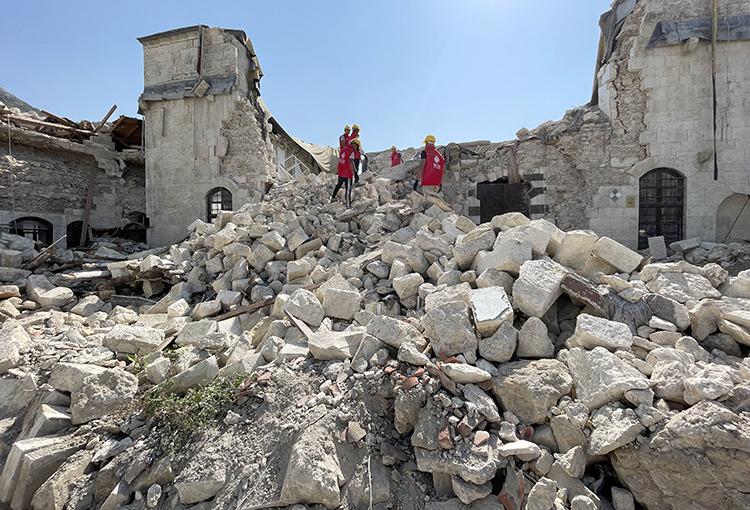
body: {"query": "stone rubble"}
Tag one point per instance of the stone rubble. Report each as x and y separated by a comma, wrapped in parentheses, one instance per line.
(392, 353)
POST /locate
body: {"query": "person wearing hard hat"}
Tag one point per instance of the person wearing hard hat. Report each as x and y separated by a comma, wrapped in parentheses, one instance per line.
(346, 172)
(344, 139)
(357, 151)
(395, 156)
(433, 169)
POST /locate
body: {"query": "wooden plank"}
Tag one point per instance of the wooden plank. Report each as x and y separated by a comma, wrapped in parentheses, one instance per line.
(43, 255)
(32, 122)
(106, 118)
(89, 203)
(255, 306)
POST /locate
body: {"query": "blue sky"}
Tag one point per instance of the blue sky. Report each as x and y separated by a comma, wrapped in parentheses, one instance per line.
(461, 69)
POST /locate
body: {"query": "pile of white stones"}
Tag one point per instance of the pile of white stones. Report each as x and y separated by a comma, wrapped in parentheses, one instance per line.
(527, 364)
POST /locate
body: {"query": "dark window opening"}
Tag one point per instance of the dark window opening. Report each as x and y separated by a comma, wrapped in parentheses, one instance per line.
(73, 231)
(218, 199)
(499, 197)
(33, 228)
(662, 206)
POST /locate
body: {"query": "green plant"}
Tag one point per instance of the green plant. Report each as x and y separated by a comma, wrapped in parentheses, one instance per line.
(137, 363)
(182, 415)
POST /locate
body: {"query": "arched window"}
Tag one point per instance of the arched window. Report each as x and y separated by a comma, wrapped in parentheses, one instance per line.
(33, 228)
(661, 207)
(218, 199)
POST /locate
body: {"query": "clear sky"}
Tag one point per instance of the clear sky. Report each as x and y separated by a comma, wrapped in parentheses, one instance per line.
(461, 69)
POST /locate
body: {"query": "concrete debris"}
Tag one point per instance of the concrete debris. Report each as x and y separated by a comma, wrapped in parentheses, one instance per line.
(370, 344)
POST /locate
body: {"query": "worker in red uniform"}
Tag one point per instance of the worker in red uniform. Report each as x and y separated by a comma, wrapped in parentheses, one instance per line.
(357, 152)
(346, 172)
(395, 156)
(344, 139)
(433, 168)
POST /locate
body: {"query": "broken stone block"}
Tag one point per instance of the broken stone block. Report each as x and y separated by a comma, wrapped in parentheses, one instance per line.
(12, 275)
(88, 305)
(313, 471)
(711, 383)
(466, 250)
(601, 377)
(495, 278)
(490, 307)
(529, 388)
(48, 421)
(409, 353)
(576, 248)
(298, 269)
(524, 450)
(158, 370)
(616, 254)
(333, 345)
(197, 375)
(683, 287)
(669, 310)
(305, 306)
(450, 331)
(260, 255)
(194, 487)
(53, 494)
(395, 332)
(102, 394)
(469, 466)
(508, 256)
(484, 403)
(573, 462)
(407, 286)
(341, 304)
(542, 495)
(468, 492)
(501, 346)
(614, 427)
(206, 309)
(133, 339)
(69, 376)
(533, 340)
(657, 247)
(538, 286)
(462, 373)
(593, 332)
(11, 258)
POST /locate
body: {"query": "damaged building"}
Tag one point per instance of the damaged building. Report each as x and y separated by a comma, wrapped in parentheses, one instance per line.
(648, 156)
(57, 175)
(638, 161)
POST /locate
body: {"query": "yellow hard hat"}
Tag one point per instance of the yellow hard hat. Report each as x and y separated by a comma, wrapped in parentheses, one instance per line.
(356, 140)
(355, 127)
(347, 128)
(429, 139)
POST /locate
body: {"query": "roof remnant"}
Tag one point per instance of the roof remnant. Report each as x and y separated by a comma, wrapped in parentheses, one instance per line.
(671, 32)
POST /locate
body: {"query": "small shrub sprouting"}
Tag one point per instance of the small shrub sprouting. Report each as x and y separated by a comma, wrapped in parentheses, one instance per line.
(198, 408)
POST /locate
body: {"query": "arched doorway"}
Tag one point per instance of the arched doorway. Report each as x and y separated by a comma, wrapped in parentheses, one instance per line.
(73, 231)
(662, 206)
(33, 228)
(733, 219)
(218, 199)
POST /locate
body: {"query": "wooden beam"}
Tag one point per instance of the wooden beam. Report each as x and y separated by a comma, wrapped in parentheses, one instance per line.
(89, 203)
(106, 118)
(32, 122)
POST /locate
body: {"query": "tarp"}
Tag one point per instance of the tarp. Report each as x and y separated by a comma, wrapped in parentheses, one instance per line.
(731, 28)
(611, 22)
(184, 88)
(325, 156)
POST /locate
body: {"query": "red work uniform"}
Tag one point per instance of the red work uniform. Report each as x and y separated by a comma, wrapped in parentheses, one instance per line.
(344, 140)
(345, 165)
(434, 166)
(395, 158)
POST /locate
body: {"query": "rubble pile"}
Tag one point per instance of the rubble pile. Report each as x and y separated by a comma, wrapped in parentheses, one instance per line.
(729, 256)
(392, 355)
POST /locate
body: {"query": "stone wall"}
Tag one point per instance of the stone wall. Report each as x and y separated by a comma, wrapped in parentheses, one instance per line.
(52, 184)
(196, 144)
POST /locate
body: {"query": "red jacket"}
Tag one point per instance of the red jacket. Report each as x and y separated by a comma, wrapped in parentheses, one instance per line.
(345, 164)
(395, 158)
(344, 140)
(434, 166)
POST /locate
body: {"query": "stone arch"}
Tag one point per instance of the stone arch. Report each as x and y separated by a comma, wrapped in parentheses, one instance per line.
(661, 205)
(217, 199)
(733, 218)
(38, 229)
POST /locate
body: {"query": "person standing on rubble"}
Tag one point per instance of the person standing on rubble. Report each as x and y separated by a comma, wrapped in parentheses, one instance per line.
(395, 156)
(346, 172)
(357, 151)
(431, 175)
(345, 138)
